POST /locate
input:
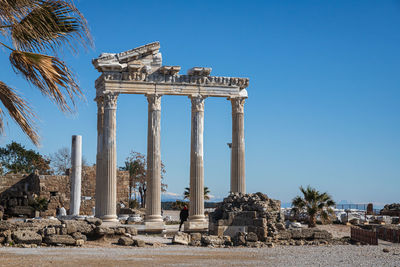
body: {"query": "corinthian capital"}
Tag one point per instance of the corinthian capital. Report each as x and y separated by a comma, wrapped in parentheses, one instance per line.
(110, 100)
(197, 103)
(154, 101)
(237, 105)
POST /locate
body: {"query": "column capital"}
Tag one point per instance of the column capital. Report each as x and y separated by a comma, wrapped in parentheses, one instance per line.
(110, 100)
(237, 104)
(197, 102)
(154, 101)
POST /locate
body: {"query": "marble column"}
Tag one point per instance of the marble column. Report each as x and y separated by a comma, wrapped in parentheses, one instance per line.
(238, 178)
(99, 165)
(76, 173)
(197, 219)
(153, 218)
(108, 181)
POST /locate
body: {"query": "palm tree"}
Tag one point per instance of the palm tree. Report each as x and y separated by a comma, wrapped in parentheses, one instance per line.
(35, 28)
(186, 194)
(314, 203)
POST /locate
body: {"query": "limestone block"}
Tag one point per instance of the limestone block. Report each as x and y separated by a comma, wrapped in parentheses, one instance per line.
(125, 241)
(252, 237)
(103, 230)
(78, 235)
(131, 230)
(322, 234)
(26, 237)
(181, 238)
(260, 222)
(59, 239)
(79, 242)
(239, 239)
(119, 230)
(138, 243)
(212, 240)
(77, 226)
(95, 221)
(50, 231)
(284, 235)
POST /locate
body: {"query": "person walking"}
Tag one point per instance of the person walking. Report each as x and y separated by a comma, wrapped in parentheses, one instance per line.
(183, 215)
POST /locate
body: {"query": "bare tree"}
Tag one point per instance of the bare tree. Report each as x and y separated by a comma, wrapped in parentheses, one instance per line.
(61, 161)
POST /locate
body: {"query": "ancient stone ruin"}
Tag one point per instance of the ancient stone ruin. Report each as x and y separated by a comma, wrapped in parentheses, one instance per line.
(140, 71)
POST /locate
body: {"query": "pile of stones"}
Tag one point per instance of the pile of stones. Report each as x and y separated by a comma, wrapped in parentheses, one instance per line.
(251, 213)
(54, 232)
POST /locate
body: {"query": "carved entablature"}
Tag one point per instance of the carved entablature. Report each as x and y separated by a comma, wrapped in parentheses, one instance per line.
(140, 71)
(199, 71)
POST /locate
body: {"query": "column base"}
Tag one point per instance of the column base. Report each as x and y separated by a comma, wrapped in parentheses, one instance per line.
(154, 227)
(109, 218)
(196, 226)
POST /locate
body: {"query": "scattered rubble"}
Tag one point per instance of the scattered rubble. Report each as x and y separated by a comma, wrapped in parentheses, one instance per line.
(71, 232)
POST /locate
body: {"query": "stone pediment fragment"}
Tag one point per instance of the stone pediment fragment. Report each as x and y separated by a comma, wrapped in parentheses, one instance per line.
(169, 70)
(199, 71)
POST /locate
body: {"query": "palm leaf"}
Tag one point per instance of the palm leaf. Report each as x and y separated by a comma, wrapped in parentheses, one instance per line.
(49, 74)
(49, 25)
(13, 10)
(19, 111)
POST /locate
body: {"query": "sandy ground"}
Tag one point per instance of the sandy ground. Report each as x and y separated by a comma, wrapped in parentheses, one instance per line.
(108, 253)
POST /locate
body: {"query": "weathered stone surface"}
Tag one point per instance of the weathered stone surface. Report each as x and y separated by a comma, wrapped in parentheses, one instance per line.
(102, 230)
(26, 237)
(252, 237)
(50, 231)
(131, 230)
(79, 242)
(78, 235)
(95, 221)
(138, 243)
(77, 226)
(59, 239)
(181, 238)
(119, 230)
(125, 241)
(212, 240)
(239, 239)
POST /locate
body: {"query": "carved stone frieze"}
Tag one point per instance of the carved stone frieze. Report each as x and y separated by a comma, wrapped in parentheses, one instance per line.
(110, 100)
(237, 104)
(154, 101)
(199, 71)
(197, 103)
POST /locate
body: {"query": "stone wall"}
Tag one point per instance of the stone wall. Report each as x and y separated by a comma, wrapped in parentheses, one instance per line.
(18, 189)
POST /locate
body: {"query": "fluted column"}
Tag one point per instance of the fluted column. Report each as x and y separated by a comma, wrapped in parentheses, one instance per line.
(153, 193)
(196, 208)
(109, 160)
(99, 165)
(238, 177)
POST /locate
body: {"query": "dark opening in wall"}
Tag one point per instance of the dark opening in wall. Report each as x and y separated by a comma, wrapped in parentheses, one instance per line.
(53, 193)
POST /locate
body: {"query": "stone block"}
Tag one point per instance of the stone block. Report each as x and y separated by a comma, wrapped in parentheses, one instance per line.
(195, 236)
(78, 236)
(296, 234)
(79, 242)
(239, 239)
(322, 234)
(212, 240)
(284, 235)
(307, 233)
(95, 221)
(125, 241)
(104, 230)
(119, 230)
(50, 231)
(26, 237)
(131, 230)
(262, 233)
(252, 237)
(181, 238)
(138, 243)
(59, 239)
(227, 240)
(260, 222)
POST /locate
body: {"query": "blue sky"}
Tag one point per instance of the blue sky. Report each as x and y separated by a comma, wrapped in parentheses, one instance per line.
(324, 92)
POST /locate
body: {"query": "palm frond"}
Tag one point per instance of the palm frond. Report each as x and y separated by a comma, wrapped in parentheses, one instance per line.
(13, 10)
(49, 25)
(49, 74)
(19, 111)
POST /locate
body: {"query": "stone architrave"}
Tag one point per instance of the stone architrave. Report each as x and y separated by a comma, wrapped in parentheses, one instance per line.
(238, 177)
(153, 218)
(76, 174)
(108, 177)
(197, 219)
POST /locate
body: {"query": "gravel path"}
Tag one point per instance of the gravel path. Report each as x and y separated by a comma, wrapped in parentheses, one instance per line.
(173, 255)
